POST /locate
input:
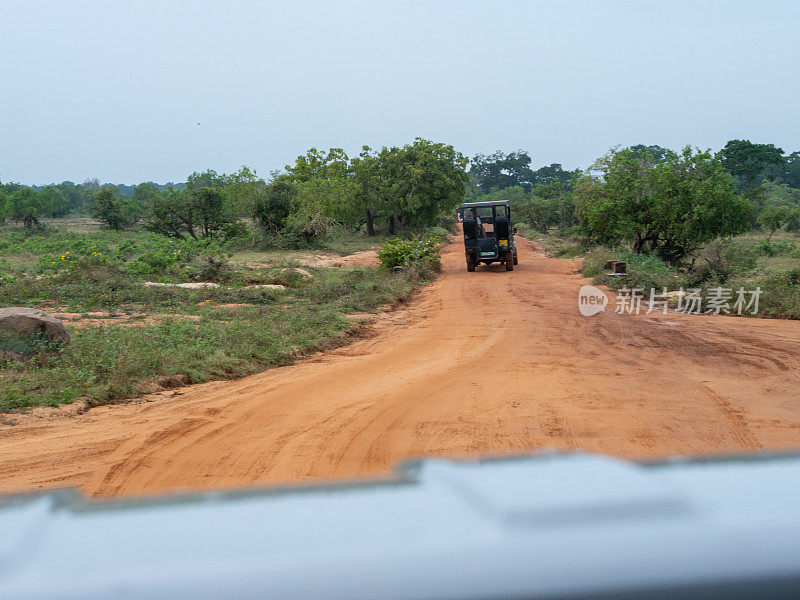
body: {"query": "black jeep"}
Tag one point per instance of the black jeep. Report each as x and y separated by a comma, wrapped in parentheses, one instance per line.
(488, 234)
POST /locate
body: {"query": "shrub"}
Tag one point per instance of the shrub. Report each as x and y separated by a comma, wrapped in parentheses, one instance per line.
(780, 293)
(154, 263)
(210, 269)
(721, 260)
(644, 271)
(112, 209)
(768, 248)
(405, 253)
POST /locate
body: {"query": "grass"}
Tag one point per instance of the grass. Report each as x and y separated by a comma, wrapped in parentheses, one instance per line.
(645, 272)
(747, 262)
(179, 336)
(557, 244)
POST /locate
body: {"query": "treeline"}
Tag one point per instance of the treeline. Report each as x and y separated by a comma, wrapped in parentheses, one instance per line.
(27, 204)
(651, 198)
(413, 185)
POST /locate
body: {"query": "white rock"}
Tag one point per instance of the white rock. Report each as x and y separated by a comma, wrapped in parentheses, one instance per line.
(266, 286)
(188, 286)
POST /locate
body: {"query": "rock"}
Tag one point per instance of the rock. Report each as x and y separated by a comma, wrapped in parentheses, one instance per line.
(266, 286)
(198, 285)
(24, 330)
(187, 286)
(302, 272)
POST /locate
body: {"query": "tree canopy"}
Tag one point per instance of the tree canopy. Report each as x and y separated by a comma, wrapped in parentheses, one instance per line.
(669, 208)
(749, 162)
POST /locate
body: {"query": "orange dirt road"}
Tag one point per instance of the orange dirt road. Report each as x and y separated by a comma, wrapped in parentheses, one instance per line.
(484, 362)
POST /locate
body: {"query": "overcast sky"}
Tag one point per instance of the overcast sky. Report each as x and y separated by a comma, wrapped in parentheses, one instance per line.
(133, 91)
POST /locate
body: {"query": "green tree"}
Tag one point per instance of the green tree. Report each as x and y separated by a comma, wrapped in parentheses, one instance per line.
(206, 179)
(74, 198)
(498, 170)
(775, 217)
(198, 211)
(56, 200)
(243, 189)
(554, 175)
(791, 174)
(539, 213)
(654, 153)
(423, 180)
(170, 214)
(25, 205)
(141, 202)
(208, 205)
(369, 192)
(274, 203)
(88, 189)
(670, 208)
(110, 207)
(748, 162)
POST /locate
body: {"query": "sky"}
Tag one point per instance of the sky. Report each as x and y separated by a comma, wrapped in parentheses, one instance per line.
(129, 91)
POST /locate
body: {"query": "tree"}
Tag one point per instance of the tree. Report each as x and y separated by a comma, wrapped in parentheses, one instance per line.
(670, 208)
(169, 214)
(539, 213)
(654, 153)
(370, 189)
(25, 205)
(110, 208)
(88, 190)
(748, 161)
(791, 174)
(73, 198)
(775, 217)
(198, 211)
(423, 180)
(141, 202)
(206, 179)
(324, 193)
(498, 170)
(273, 204)
(56, 200)
(554, 175)
(208, 205)
(242, 190)
(412, 184)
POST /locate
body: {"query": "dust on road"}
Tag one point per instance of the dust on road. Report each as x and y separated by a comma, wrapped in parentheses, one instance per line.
(484, 362)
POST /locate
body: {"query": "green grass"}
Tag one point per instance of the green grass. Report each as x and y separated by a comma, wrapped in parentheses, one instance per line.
(556, 243)
(746, 261)
(645, 272)
(182, 336)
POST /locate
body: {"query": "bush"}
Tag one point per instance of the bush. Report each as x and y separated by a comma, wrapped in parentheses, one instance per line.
(154, 263)
(767, 248)
(780, 293)
(406, 253)
(211, 270)
(438, 233)
(644, 271)
(721, 260)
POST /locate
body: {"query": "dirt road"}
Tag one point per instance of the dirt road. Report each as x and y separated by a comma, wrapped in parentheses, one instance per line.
(483, 362)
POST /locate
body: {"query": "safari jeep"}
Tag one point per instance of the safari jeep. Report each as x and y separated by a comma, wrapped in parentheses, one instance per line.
(488, 234)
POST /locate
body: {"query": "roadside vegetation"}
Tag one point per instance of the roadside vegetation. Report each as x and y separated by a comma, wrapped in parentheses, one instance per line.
(221, 276)
(689, 219)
